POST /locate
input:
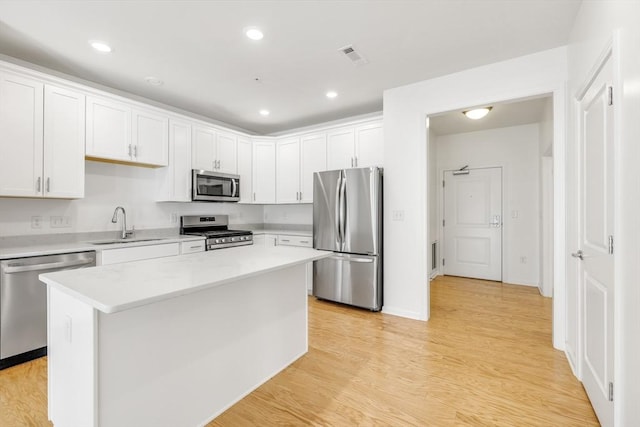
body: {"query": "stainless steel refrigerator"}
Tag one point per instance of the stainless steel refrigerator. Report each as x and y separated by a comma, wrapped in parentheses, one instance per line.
(347, 220)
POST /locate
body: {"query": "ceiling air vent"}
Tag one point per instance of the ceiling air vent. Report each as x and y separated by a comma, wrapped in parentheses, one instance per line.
(356, 58)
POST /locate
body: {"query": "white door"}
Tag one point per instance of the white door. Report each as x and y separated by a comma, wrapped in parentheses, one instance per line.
(473, 224)
(108, 129)
(288, 171)
(203, 148)
(226, 152)
(64, 120)
(596, 244)
(150, 138)
(264, 172)
(20, 136)
(313, 158)
(340, 149)
(369, 145)
(245, 169)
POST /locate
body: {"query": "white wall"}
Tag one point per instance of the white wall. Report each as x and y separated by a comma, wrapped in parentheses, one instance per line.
(596, 25)
(405, 156)
(107, 186)
(515, 149)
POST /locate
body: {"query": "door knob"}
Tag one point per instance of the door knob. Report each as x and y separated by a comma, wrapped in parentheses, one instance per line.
(578, 254)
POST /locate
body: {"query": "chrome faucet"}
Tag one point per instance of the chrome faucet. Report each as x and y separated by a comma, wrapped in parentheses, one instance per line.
(125, 233)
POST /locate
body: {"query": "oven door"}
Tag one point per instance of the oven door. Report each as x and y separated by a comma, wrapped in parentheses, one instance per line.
(215, 187)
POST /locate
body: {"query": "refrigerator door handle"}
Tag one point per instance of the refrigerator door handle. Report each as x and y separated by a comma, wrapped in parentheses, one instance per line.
(343, 210)
(360, 260)
(337, 211)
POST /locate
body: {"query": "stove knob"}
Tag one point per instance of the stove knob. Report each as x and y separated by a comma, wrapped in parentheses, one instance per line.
(216, 241)
(223, 240)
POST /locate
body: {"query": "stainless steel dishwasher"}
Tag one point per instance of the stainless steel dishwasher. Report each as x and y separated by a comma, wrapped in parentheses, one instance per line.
(23, 303)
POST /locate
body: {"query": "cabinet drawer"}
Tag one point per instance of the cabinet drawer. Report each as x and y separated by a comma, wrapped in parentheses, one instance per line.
(287, 240)
(115, 256)
(192, 247)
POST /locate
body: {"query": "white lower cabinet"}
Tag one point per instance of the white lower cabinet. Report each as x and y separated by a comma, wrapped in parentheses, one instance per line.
(192, 247)
(304, 241)
(137, 253)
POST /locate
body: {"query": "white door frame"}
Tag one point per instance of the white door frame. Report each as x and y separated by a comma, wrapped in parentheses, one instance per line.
(441, 239)
(559, 96)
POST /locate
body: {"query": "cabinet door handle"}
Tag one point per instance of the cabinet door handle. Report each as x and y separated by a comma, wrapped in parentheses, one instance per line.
(304, 241)
(48, 185)
(284, 240)
(38, 184)
(352, 162)
(356, 161)
(254, 196)
(135, 151)
(219, 164)
(129, 150)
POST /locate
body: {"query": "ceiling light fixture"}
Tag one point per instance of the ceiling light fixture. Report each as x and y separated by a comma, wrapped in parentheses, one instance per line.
(100, 46)
(253, 33)
(264, 112)
(477, 113)
(332, 94)
(153, 81)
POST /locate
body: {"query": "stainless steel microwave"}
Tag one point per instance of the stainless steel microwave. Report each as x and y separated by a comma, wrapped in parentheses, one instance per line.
(215, 186)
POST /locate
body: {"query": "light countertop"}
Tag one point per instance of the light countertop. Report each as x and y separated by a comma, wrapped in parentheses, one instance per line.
(49, 247)
(118, 287)
(284, 232)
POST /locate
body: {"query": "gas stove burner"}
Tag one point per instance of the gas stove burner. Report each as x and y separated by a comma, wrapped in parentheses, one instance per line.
(215, 229)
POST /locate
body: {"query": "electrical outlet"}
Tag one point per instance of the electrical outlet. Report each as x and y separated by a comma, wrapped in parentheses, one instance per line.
(59, 221)
(36, 221)
(523, 260)
(397, 215)
(173, 218)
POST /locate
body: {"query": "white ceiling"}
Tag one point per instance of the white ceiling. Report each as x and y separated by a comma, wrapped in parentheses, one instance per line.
(209, 67)
(505, 114)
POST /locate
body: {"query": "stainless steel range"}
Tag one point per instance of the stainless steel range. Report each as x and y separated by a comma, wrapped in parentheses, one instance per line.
(216, 229)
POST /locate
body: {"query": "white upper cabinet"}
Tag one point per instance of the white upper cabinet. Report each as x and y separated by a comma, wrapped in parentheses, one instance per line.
(64, 133)
(264, 171)
(150, 138)
(355, 146)
(313, 158)
(340, 148)
(108, 130)
(41, 139)
(245, 169)
(214, 151)
(204, 148)
(21, 136)
(369, 145)
(297, 160)
(117, 131)
(288, 171)
(175, 180)
(226, 153)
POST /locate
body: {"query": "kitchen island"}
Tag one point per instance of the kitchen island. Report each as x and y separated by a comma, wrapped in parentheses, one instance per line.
(173, 341)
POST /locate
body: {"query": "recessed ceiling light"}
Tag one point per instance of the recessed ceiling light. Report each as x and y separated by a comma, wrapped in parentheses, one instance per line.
(477, 113)
(153, 81)
(332, 94)
(253, 33)
(264, 112)
(100, 46)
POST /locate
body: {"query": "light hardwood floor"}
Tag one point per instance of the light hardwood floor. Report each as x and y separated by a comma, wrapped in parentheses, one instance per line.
(484, 359)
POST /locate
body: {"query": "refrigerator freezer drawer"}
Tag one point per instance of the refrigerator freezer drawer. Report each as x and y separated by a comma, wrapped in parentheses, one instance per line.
(350, 279)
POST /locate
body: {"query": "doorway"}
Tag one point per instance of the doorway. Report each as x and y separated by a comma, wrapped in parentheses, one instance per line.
(516, 139)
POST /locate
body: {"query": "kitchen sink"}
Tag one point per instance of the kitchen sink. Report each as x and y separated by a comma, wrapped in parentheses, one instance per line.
(120, 241)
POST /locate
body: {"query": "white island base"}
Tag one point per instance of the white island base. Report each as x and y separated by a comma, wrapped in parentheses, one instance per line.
(176, 362)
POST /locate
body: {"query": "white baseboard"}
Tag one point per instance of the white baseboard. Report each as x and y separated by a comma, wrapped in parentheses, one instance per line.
(395, 311)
